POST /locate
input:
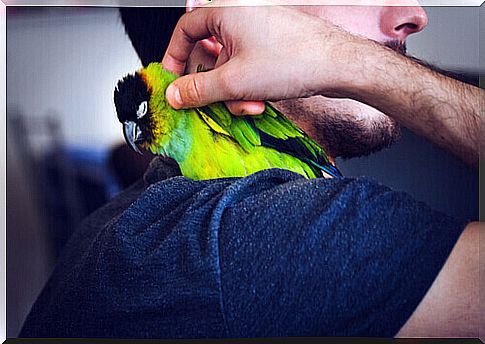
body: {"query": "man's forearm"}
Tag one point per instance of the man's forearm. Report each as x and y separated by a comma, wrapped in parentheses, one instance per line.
(441, 109)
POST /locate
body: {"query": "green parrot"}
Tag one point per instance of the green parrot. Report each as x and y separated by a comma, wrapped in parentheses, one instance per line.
(209, 142)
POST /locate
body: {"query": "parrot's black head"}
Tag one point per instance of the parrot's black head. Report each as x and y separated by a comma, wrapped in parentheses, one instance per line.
(132, 99)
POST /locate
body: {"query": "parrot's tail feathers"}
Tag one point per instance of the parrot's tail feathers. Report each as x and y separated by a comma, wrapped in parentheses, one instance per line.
(328, 168)
(332, 170)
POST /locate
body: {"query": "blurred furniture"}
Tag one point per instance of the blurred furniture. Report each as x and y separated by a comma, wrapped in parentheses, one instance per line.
(67, 183)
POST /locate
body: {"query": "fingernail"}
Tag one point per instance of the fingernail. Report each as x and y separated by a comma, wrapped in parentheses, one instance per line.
(173, 93)
(178, 98)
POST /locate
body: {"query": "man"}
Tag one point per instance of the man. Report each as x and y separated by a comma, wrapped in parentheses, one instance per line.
(323, 62)
(274, 254)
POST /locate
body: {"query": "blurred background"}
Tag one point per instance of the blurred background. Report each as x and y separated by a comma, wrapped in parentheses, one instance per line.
(65, 148)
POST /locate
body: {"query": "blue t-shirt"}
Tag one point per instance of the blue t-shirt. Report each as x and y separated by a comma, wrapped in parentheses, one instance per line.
(272, 254)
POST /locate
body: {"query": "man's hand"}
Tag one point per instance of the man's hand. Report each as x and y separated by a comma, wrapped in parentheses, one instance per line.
(263, 57)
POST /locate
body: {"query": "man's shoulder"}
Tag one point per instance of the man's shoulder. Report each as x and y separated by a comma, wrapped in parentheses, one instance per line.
(282, 195)
(288, 199)
(271, 191)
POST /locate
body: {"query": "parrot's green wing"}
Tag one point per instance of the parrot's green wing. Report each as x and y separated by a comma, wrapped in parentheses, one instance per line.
(219, 119)
(270, 129)
(278, 132)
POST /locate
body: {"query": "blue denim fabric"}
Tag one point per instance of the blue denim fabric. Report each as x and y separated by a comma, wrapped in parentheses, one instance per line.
(272, 254)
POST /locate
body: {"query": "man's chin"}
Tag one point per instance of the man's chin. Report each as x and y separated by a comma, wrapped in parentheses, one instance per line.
(345, 128)
(349, 139)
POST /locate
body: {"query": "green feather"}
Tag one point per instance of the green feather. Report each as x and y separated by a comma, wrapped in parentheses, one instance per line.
(235, 127)
(242, 125)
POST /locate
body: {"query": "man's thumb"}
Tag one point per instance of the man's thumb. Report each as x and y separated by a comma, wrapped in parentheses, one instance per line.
(194, 90)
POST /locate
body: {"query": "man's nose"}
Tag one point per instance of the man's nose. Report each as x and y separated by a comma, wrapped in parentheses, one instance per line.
(398, 22)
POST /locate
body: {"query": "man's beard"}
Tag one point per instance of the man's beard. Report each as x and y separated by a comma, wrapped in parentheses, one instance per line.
(338, 129)
(341, 126)
(347, 137)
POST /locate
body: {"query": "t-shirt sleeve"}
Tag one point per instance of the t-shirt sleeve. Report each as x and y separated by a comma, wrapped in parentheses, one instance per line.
(342, 257)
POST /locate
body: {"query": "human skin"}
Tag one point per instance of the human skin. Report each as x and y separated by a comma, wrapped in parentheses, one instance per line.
(344, 62)
(334, 63)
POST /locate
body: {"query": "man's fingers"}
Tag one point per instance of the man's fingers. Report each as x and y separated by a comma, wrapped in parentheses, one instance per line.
(245, 107)
(197, 89)
(173, 65)
(191, 27)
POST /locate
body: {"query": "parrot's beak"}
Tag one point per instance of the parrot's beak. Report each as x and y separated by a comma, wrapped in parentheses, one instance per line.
(133, 135)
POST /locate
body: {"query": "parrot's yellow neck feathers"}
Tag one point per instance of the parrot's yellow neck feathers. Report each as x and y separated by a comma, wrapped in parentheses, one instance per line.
(167, 124)
(157, 79)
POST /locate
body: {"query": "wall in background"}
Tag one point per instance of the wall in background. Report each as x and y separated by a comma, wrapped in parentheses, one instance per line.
(451, 39)
(67, 61)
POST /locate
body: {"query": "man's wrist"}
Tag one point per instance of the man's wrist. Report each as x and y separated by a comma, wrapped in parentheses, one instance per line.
(351, 67)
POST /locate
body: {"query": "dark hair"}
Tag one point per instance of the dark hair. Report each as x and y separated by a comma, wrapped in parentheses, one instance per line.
(150, 29)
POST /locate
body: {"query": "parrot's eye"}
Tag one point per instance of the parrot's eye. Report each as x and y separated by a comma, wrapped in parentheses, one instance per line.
(142, 110)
